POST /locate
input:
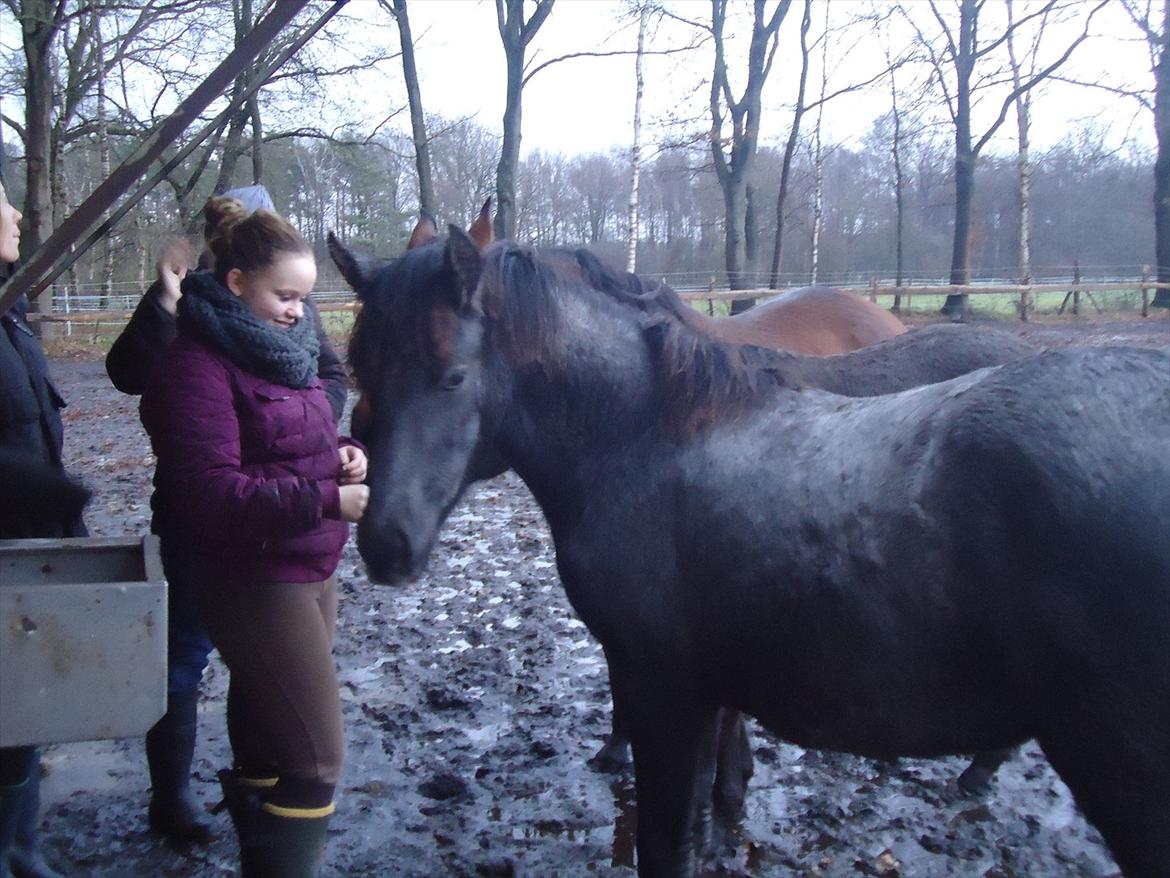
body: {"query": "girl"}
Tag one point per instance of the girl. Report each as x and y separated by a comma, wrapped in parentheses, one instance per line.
(170, 743)
(249, 459)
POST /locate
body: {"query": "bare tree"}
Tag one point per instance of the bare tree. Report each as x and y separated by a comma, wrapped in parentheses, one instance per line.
(1158, 41)
(65, 56)
(954, 58)
(516, 34)
(418, 125)
(790, 149)
(733, 157)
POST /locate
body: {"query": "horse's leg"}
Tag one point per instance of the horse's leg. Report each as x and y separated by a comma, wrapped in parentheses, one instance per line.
(673, 741)
(614, 755)
(976, 777)
(1120, 778)
(733, 770)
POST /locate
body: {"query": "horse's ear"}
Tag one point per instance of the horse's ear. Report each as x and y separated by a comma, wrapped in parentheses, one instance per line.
(355, 268)
(466, 263)
(480, 231)
(425, 231)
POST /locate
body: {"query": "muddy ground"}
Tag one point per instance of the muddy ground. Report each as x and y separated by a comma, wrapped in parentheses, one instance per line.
(473, 698)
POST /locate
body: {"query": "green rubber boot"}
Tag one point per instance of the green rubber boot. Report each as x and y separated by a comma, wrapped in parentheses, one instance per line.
(289, 842)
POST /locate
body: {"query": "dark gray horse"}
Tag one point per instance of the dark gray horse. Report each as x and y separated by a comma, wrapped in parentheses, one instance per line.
(922, 356)
(955, 568)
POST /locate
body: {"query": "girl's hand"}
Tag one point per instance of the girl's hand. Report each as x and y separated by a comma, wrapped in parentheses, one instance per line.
(353, 502)
(353, 465)
(172, 268)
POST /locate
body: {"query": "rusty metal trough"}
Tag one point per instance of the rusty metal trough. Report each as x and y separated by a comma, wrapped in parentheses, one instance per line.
(82, 639)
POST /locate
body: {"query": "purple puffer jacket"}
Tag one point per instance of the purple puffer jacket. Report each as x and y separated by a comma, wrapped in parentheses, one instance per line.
(249, 466)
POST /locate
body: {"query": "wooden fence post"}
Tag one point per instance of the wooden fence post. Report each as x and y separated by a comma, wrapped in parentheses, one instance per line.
(1145, 291)
(711, 302)
(873, 290)
(1025, 301)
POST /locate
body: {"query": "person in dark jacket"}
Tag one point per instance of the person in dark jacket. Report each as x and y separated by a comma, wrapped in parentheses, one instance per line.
(170, 744)
(31, 439)
(251, 468)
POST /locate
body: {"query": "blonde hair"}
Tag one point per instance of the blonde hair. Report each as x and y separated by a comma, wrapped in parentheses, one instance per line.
(247, 241)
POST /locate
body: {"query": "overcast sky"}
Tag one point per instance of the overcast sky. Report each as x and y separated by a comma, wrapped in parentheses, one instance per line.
(586, 105)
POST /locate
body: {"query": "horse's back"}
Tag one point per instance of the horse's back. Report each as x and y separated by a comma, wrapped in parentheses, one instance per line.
(812, 320)
(1053, 476)
(921, 356)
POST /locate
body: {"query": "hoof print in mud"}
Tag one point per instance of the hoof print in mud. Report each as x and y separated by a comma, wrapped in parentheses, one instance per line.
(444, 787)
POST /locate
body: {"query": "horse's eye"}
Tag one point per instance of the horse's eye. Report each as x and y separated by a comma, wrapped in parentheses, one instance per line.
(454, 379)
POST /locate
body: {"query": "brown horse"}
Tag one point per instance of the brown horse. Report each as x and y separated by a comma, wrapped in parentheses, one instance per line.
(820, 321)
(816, 321)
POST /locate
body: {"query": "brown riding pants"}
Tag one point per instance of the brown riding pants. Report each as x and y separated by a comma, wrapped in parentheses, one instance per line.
(284, 708)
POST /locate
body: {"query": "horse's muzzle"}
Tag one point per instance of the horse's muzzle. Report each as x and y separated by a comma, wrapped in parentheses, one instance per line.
(388, 555)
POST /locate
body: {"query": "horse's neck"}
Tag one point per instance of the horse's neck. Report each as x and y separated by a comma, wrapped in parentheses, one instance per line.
(594, 400)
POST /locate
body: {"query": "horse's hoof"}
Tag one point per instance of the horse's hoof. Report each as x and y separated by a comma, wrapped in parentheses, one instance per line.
(975, 781)
(610, 759)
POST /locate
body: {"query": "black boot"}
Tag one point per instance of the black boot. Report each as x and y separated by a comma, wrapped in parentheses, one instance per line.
(170, 745)
(26, 858)
(243, 798)
(11, 803)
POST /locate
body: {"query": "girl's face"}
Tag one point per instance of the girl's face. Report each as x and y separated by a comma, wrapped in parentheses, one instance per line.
(9, 229)
(276, 294)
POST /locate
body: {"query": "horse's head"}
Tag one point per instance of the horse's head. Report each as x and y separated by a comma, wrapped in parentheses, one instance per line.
(416, 354)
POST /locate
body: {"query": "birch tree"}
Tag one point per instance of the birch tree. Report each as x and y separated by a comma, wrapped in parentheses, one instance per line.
(636, 149)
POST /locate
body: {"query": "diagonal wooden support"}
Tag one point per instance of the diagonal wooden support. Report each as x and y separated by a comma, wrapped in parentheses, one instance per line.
(54, 256)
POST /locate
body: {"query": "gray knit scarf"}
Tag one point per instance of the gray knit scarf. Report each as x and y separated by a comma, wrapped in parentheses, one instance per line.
(283, 356)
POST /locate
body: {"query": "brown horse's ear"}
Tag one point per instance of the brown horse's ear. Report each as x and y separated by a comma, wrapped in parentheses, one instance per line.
(355, 268)
(466, 263)
(425, 231)
(480, 231)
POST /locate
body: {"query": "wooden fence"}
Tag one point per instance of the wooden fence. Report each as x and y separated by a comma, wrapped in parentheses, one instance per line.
(1072, 291)
(1026, 292)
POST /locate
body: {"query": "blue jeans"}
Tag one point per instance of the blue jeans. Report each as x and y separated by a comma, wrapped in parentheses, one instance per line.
(187, 642)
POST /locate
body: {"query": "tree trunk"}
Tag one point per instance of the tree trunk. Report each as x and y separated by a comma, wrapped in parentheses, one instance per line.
(107, 281)
(735, 207)
(1162, 161)
(956, 305)
(515, 34)
(39, 28)
(1024, 170)
(751, 236)
(899, 196)
(418, 125)
(733, 166)
(233, 144)
(819, 160)
(257, 140)
(636, 150)
(790, 150)
(505, 223)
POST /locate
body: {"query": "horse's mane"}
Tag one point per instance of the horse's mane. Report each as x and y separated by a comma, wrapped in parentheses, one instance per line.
(701, 380)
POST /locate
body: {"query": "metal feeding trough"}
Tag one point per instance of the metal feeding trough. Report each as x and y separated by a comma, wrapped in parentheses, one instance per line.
(83, 639)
